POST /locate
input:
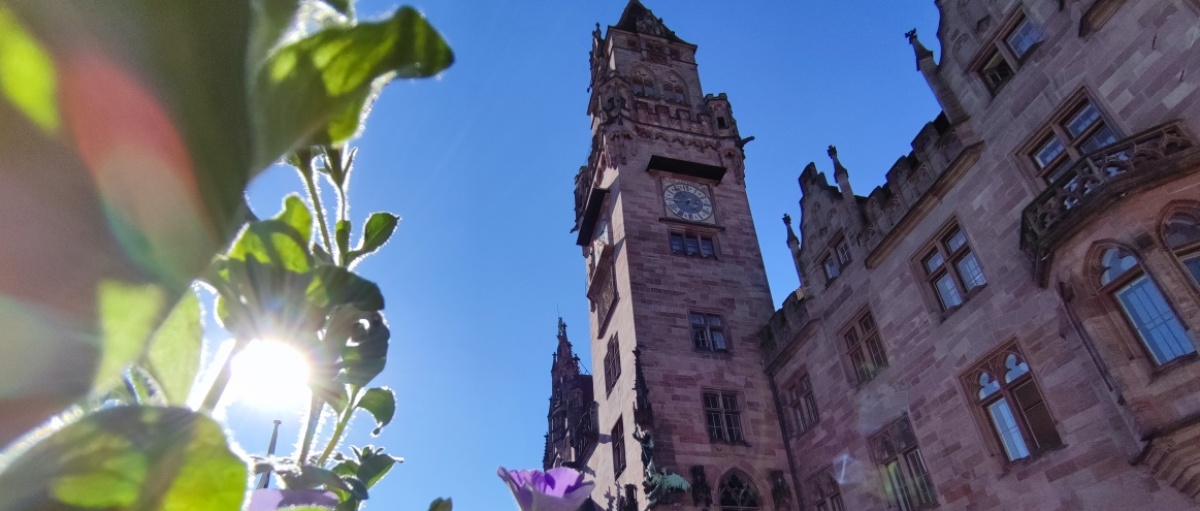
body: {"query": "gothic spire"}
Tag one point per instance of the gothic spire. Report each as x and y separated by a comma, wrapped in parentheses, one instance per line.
(640, 20)
(921, 51)
(791, 235)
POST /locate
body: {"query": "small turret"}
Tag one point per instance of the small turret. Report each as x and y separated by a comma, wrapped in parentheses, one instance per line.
(941, 90)
(793, 243)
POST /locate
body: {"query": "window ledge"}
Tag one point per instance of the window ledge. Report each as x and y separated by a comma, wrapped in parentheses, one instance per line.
(966, 299)
(1008, 467)
(1159, 372)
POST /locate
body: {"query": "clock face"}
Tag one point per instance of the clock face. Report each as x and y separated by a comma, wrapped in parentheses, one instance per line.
(688, 202)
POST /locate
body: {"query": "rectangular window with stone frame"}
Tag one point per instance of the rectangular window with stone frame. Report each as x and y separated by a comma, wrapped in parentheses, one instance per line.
(950, 268)
(708, 332)
(1001, 56)
(723, 417)
(691, 244)
(612, 364)
(618, 447)
(864, 347)
(1007, 400)
(906, 480)
(802, 405)
(1078, 128)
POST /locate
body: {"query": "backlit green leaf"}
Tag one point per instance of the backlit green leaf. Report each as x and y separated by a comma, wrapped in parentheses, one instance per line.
(173, 357)
(169, 459)
(381, 403)
(441, 505)
(334, 285)
(296, 214)
(27, 76)
(305, 85)
(376, 233)
(129, 314)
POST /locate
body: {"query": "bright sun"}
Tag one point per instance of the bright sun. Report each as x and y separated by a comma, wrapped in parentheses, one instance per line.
(270, 374)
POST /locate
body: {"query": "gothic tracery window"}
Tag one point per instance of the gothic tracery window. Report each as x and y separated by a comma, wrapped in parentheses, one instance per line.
(1144, 306)
(674, 89)
(643, 83)
(906, 479)
(737, 493)
(1011, 403)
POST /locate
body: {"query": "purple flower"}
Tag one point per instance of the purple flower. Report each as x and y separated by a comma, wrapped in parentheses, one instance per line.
(272, 499)
(558, 489)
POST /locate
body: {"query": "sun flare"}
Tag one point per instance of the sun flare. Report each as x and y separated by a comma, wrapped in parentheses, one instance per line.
(270, 374)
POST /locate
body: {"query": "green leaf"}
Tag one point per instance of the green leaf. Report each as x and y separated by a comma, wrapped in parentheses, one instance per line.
(296, 214)
(342, 235)
(129, 458)
(376, 233)
(334, 285)
(272, 18)
(441, 505)
(305, 85)
(366, 355)
(273, 242)
(128, 315)
(381, 403)
(373, 465)
(310, 477)
(173, 358)
(346, 468)
(27, 76)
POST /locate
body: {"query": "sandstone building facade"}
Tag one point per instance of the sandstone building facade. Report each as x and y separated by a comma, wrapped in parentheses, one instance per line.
(1008, 322)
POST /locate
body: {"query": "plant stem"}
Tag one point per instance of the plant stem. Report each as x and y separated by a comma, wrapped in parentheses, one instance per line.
(222, 380)
(320, 210)
(339, 430)
(314, 413)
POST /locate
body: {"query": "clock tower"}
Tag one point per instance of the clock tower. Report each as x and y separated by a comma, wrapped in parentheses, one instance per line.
(676, 286)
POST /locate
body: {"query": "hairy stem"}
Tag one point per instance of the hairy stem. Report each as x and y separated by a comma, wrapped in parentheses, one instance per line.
(310, 430)
(222, 380)
(340, 429)
(315, 194)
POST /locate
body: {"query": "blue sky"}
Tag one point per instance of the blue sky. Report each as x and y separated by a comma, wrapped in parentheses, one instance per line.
(480, 164)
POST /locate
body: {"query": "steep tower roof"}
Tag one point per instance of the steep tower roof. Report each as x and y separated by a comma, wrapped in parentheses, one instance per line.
(640, 20)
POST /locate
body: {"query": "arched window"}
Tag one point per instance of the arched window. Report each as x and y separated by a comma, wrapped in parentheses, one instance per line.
(737, 493)
(1144, 305)
(1181, 232)
(674, 90)
(643, 83)
(1011, 403)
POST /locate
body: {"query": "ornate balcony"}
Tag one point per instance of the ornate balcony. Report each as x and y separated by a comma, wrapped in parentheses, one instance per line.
(1097, 181)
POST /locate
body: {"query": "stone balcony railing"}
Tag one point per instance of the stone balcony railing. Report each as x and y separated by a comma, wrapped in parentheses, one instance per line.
(782, 334)
(1095, 182)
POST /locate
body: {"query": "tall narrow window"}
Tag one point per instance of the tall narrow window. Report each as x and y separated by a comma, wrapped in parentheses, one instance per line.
(843, 253)
(612, 364)
(824, 492)
(618, 447)
(803, 405)
(1011, 404)
(864, 347)
(906, 479)
(1144, 305)
(723, 417)
(951, 268)
(708, 331)
(1022, 38)
(1181, 233)
(737, 493)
